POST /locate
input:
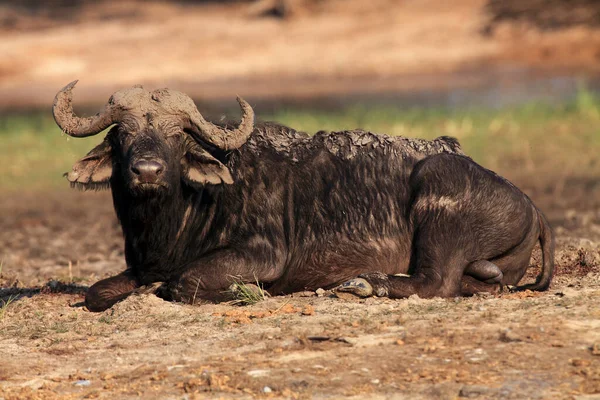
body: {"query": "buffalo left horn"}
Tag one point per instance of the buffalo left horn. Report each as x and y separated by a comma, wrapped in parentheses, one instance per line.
(75, 126)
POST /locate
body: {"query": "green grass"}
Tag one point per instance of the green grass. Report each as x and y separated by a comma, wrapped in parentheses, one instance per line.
(525, 139)
(34, 153)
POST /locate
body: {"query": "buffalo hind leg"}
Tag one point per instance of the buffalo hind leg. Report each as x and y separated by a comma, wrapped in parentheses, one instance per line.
(484, 271)
(425, 284)
(105, 293)
(479, 276)
(470, 286)
(441, 243)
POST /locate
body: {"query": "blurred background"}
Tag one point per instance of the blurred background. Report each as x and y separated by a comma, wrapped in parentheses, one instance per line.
(516, 81)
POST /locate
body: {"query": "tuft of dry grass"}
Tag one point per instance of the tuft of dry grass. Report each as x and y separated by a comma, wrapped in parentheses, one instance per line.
(246, 293)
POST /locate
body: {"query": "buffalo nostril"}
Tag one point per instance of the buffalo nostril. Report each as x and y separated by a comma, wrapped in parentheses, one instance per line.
(147, 171)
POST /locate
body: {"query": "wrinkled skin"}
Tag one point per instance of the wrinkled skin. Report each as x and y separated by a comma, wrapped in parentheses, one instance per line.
(295, 213)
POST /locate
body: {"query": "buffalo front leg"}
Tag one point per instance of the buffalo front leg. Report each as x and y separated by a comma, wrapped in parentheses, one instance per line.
(210, 279)
(105, 293)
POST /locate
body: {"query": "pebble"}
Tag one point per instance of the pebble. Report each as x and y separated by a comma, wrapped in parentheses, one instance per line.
(82, 382)
(568, 292)
(34, 384)
(588, 397)
(320, 292)
(471, 391)
(257, 373)
(507, 335)
(267, 389)
(303, 294)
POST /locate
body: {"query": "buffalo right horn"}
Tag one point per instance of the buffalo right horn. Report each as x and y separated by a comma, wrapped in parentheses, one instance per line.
(225, 139)
(75, 126)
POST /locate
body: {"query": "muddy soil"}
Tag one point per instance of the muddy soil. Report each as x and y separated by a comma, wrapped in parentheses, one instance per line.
(509, 346)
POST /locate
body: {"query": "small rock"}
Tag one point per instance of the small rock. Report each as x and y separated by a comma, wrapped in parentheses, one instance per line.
(82, 382)
(476, 355)
(320, 292)
(372, 300)
(567, 292)
(587, 397)
(267, 389)
(414, 299)
(507, 335)
(95, 257)
(578, 362)
(308, 310)
(34, 384)
(257, 373)
(596, 349)
(472, 391)
(375, 381)
(303, 294)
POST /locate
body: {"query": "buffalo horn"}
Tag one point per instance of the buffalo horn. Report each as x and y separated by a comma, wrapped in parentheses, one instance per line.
(75, 126)
(225, 139)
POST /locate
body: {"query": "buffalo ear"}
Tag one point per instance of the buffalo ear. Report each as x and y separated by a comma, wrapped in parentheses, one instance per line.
(201, 168)
(94, 170)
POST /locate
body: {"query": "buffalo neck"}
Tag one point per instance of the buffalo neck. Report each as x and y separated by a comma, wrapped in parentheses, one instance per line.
(164, 233)
(150, 227)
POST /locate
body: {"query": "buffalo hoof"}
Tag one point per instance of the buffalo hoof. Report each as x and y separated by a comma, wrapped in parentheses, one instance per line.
(172, 291)
(357, 286)
(369, 284)
(152, 288)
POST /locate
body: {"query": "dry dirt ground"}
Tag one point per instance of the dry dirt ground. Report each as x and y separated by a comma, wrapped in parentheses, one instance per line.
(510, 346)
(333, 47)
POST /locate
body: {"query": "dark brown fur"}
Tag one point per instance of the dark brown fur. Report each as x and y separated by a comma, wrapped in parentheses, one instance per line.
(308, 212)
(295, 212)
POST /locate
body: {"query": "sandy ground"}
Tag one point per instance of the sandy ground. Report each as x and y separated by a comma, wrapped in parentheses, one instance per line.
(334, 47)
(54, 245)
(511, 346)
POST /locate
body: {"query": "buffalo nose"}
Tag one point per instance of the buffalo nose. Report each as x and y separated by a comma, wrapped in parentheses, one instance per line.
(147, 171)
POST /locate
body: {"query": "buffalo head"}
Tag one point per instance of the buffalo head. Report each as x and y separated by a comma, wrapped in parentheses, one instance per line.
(159, 140)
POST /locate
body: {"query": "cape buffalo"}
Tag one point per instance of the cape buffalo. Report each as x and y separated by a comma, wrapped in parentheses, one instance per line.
(203, 205)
